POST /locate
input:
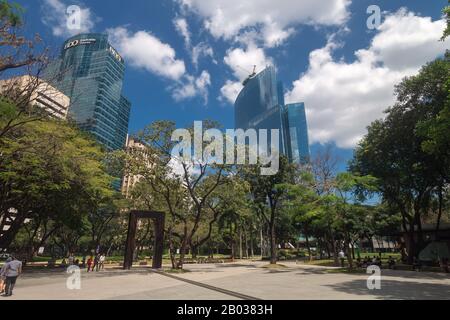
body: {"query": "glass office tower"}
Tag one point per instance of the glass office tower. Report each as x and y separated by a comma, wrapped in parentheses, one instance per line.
(260, 105)
(90, 71)
(296, 132)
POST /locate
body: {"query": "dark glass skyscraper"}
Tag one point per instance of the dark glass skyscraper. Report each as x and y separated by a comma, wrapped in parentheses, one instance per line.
(90, 71)
(260, 105)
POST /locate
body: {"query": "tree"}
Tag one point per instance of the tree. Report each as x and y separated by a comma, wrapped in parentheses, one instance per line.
(267, 194)
(351, 191)
(230, 206)
(392, 151)
(180, 186)
(52, 174)
(303, 205)
(18, 55)
(17, 51)
(446, 12)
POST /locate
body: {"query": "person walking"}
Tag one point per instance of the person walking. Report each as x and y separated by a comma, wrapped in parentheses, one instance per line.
(71, 259)
(89, 264)
(102, 261)
(96, 263)
(342, 258)
(3, 276)
(13, 270)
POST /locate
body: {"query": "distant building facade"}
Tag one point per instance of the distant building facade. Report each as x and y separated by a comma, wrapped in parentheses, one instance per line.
(261, 105)
(90, 71)
(38, 94)
(130, 180)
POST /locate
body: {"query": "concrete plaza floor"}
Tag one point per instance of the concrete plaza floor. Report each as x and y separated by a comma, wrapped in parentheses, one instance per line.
(245, 280)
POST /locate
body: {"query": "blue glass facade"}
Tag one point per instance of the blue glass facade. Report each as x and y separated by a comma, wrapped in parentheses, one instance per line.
(296, 132)
(90, 71)
(260, 105)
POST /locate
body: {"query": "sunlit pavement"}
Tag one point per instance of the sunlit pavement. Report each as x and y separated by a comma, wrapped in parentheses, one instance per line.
(246, 280)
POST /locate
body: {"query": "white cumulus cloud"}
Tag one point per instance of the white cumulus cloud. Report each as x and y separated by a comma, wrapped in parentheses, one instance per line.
(342, 98)
(230, 91)
(274, 19)
(191, 87)
(143, 50)
(241, 62)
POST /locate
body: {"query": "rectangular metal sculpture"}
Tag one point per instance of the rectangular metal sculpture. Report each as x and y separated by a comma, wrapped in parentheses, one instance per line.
(158, 250)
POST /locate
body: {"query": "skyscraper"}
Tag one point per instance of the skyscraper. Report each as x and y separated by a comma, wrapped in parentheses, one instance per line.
(296, 132)
(260, 105)
(90, 71)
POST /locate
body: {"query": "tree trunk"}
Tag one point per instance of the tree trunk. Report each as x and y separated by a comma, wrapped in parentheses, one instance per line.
(327, 246)
(240, 244)
(233, 253)
(172, 252)
(273, 244)
(353, 251)
(335, 251)
(411, 244)
(438, 224)
(348, 251)
(180, 262)
(194, 250)
(252, 250)
(262, 242)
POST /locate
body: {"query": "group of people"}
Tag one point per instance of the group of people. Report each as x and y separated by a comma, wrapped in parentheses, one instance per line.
(375, 261)
(8, 276)
(93, 263)
(96, 263)
(368, 261)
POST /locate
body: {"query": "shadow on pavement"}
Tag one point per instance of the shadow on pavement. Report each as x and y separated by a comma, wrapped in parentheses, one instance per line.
(397, 290)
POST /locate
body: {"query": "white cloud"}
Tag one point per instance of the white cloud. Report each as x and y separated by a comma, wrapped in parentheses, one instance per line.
(182, 28)
(342, 99)
(230, 91)
(143, 50)
(406, 40)
(228, 18)
(241, 62)
(198, 51)
(202, 50)
(55, 16)
(191, 87)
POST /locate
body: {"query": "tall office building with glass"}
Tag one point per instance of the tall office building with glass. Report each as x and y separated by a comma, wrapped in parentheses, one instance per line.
(296, 132)
(260, 105)
(90, 71)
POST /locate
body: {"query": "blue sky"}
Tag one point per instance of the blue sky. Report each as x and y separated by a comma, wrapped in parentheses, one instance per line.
(186, 58)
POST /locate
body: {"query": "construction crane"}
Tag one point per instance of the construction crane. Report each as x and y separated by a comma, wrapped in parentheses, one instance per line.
(251, 76)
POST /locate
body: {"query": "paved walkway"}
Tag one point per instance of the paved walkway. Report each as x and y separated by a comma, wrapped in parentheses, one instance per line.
(233, 281)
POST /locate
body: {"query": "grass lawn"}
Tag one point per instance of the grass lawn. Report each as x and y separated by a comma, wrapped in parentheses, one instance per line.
(323, 263)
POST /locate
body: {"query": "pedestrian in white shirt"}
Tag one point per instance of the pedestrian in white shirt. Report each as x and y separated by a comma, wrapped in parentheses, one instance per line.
(12, 271)
(342, 258)
(102, 262)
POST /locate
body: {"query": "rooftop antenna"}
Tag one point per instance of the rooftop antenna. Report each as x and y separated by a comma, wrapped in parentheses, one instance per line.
(251, 76)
